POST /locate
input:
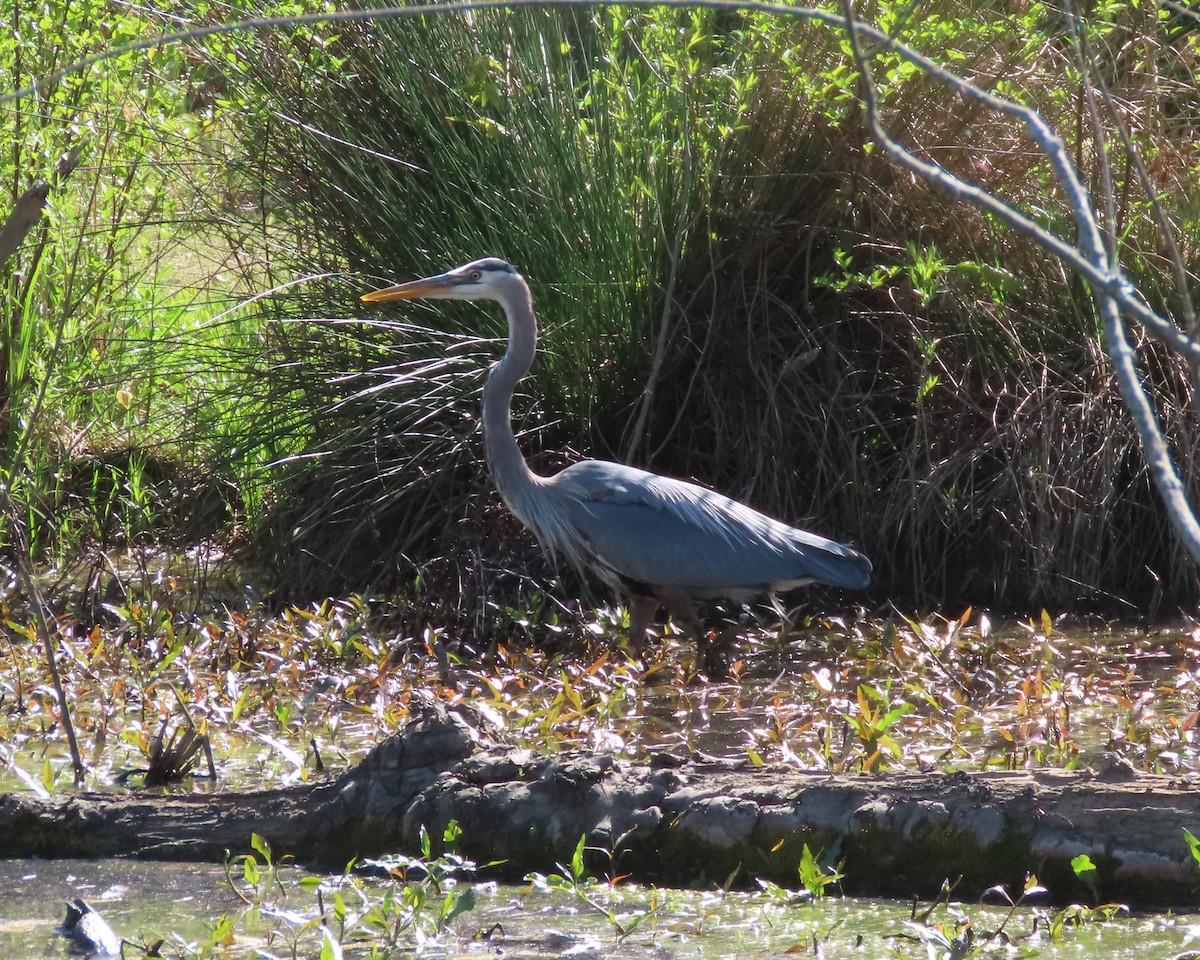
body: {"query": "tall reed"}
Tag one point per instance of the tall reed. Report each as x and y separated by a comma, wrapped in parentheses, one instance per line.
(733, 286)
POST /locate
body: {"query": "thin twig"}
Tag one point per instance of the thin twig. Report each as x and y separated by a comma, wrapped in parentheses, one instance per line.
(41, 620)
(1111, 290)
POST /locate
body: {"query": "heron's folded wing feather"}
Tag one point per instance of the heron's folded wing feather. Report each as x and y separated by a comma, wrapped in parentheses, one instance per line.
(669, 533)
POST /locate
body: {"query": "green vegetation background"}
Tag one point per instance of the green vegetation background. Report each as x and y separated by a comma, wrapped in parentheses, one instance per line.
(732, 287)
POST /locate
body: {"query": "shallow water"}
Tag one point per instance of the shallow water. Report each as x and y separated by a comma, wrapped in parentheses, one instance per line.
(1010, 700)
(182, 903)
(1015, 699)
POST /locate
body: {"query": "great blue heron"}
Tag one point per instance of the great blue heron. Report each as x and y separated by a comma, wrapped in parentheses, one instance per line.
(657, 540)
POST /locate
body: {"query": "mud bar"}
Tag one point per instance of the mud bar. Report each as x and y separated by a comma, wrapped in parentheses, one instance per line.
(672, 820)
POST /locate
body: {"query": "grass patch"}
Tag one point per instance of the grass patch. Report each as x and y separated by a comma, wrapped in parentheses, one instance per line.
(732, 287)
(114, 348)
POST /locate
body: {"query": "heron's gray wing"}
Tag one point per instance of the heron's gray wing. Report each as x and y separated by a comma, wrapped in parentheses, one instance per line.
(664, 532)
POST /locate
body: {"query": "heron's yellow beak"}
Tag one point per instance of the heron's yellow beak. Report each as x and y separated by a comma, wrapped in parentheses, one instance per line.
(414, 289)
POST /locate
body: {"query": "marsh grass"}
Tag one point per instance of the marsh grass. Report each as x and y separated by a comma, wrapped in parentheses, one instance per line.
(732, 287)
(841, 695)
(121, 348)
(465, 157)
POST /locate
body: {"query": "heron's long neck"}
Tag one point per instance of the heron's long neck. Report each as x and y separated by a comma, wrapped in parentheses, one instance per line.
(510, 473)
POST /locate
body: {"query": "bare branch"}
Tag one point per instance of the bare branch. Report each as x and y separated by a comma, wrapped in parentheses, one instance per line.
(27, 211)
(1112, 292)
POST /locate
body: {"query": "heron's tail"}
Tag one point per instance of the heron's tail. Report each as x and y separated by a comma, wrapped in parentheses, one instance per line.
(837, 565)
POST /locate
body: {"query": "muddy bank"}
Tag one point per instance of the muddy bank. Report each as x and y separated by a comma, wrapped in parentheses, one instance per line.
(673, 820)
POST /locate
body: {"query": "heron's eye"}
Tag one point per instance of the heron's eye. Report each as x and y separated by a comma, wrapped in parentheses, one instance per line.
(476, 275)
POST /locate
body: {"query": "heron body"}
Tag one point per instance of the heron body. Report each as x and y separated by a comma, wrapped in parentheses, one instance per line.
(655, 539)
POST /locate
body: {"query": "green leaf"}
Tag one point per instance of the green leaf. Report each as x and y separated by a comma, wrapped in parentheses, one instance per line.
(810, 872)
(1193, 844)
(239, 706)
(330, 948)
(458, 904)
(578, 873)
(261, 845)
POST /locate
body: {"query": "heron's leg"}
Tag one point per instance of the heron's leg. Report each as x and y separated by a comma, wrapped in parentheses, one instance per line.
(713, 658)
(641, 612)
(682, 606)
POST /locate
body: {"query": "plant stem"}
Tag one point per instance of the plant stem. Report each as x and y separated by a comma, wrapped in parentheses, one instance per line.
(41, 622)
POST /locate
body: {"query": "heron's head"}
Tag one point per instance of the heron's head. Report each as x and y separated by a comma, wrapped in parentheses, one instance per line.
(487, 279)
